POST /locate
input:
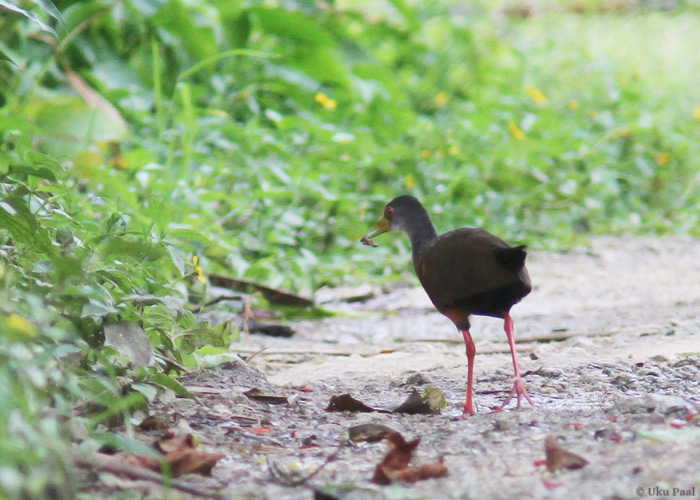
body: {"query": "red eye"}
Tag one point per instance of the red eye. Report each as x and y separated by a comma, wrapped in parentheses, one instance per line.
(389, 211)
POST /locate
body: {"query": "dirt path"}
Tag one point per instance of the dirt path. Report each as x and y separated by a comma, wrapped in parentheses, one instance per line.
(620, 383)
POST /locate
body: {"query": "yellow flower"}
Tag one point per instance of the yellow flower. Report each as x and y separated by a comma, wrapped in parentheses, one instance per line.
(363, 210)
(198, 269)
(425, 154)
(22, 325)
(326, 101)
(593, 114)
(662, 158)
(696, 113)
(439, 153)
(454, 150)
(536, 94)
(574, 105)
(441, 99)
(515, 130)
(410, 183)
(622, 132)
(636, 75)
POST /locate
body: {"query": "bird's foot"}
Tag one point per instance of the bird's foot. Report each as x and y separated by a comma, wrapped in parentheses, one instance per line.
(519, 391)
(468, 410)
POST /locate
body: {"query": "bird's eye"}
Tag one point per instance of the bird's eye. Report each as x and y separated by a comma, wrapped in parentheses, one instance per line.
(389, 211)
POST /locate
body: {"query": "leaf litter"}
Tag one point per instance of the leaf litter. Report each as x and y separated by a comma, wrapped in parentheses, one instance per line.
(627, 400)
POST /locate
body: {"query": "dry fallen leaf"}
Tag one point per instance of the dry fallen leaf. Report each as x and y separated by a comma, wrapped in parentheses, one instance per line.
(273, 399)
(274, 295)
(426, 404)
(180, 455)
(345, 402)
(558, 458)
(368, 432)
(153, 423)
(394, 465)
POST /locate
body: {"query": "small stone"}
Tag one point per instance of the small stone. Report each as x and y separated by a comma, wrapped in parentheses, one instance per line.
(660, 403)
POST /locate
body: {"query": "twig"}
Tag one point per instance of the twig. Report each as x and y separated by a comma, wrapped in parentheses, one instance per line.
(283, 478)
(255, 353)
(112, 465)
(247, 315)
(216, 300)
(172, 363)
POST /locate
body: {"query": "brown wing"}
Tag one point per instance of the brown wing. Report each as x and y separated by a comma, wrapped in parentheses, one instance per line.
(463, 263)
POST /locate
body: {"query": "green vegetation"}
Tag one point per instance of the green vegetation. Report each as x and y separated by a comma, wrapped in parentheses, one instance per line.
(264, 139)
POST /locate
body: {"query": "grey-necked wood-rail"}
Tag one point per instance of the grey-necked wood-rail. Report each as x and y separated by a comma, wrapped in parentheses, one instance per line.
(466, 271)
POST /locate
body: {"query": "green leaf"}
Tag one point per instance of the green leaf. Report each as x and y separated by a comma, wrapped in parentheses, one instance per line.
(209, 61)
(176, 19)
(41, 172)
(172, 384)
(49, 8)
(120, 405)
(24, 226)
(148, 391)
(5, 57)
(94, 309)
(67, 124)
(177, 256)
(128, 338)
(29, 15)
(294, 26)
(313, 49)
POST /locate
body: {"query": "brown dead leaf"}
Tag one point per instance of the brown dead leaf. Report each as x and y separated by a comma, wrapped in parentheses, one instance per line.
(274, 295)
(180, 455)
(345, 402)
(558, 458)
(416, 404)
(273, 399)
(368, 432)
(176, 443)
(394, 465)
(421, 472)
(153, 423)
(192, 461)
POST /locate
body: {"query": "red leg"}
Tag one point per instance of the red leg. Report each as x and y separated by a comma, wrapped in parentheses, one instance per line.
(471, 352)
(519, 385)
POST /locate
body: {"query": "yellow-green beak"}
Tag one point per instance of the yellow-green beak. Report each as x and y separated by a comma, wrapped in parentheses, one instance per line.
(379, 228)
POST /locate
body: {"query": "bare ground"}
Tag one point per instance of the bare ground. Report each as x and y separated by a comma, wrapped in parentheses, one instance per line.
(609, 339)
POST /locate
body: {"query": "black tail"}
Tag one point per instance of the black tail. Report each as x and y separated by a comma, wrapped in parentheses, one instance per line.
(512, 259)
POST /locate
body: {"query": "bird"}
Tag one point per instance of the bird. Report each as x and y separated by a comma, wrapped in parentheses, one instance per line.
(467, 271)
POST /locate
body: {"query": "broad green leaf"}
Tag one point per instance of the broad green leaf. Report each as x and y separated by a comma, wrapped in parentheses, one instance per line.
(67, 124)
(312, 50)
(81, 12)
(41, 172)
(172, 384)
(12, 7)
(94, 309)
(294, 26)
(49, 8)
(129, 340)
(24, 227)
(149, 392)
(198, 40)
(177, 255)
(120, 405)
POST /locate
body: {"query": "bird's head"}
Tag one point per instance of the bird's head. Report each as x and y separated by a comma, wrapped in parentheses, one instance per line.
(397, 215)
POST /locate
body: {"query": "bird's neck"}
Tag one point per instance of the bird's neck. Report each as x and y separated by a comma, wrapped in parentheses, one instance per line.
(421, 233)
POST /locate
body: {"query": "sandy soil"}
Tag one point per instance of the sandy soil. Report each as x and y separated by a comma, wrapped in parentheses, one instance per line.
(610, 343)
